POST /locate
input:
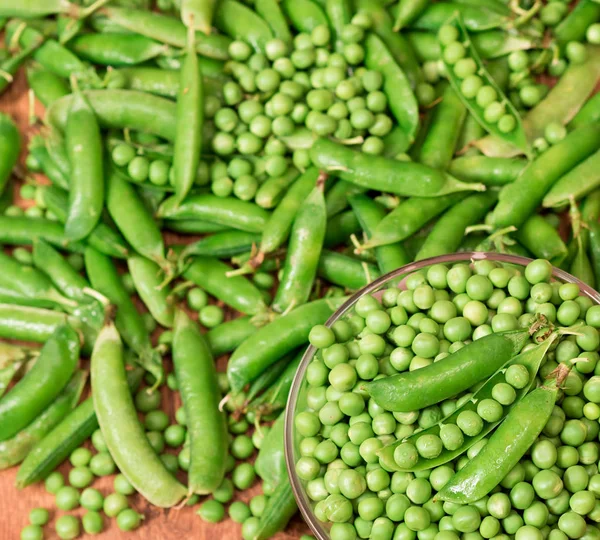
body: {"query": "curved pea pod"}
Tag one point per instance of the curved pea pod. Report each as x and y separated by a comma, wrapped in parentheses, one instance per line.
(103, 237)
(589, 112)
(476, 19)
(235, 291)
(192, 226)
(69, 434)
(116, 49)
(10, 146)
(104, 278)
(581, 265)
(408, 11)
(518, 201)
(23, 230)
(167, 29)
(476, 361)
(339, 228)
(532, 359)
(516, 136)
(305, 15)
(270, 11)
(336, 199)
(272, 190)
(221, 245)
(487, 170)
(304, 249)
(267, 378)
(47, 86)
(280, 508)
(270, 462)
(574, 25)
(230, 212)
(134, 221)
(271, 342)
(16, 449)
(410, 216)
(344, 271)
(240, 22)
(228, 336)
(40, 386)
(124, 435)
(147, 279)
(401, 99)
(197, 381)
(507, 445)
(542, 239)
(383, 174)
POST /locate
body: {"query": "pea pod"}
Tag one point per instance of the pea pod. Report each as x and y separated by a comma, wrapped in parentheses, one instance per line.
(518, 201)
(198, 14)
(39, 8)
(336, 199)
(594, 241)
(10, 146)
(304, 249)
(227, 337)
(270, 462)
(167, 30)
(47, 86)
(267, 378)
(197, 382)
(408, 11)
(271, 342)
(40, 386)
(401, 99)
(410, 216)
(123, 433)
(581, 265)
(11, 64)
(475, 18)
(103, 238)
(305, 15)
(116, 49)
(476, 361)
(190, 119)
(270, 11)
(230, 212)
(193, 226)
(487, 170)
(16, 449)
(235, 291)
(375, 172)
(344, 271)
(240, 22)
(272, 190)
(589, 112)
(339, 228)
(515, 136)
(146, 276)
(104, 278)
(12, 358)
(532, 359)
(542, 239)
(507, 445)
(280, 508)
(68, 435)
(575, 24)
(339, 13)
(221, 245)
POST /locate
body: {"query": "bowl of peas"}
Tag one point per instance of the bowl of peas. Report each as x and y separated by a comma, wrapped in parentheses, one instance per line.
(456, 398)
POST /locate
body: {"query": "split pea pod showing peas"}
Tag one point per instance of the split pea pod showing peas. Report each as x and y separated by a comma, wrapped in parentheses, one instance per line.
(477, 89)
(227, 211)
(390, 176)
(476, 361)
(517, 201)
(304, 250)
(451, 442)
(68, 435)
(16, 449)
(396, 85)
(271, 342)
(507, 445)
(10, 146)
(40, 386)
(197, 382)
(122, 431)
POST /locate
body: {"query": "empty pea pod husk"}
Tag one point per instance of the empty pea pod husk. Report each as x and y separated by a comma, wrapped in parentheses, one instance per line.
(507, 445)
(532, 359)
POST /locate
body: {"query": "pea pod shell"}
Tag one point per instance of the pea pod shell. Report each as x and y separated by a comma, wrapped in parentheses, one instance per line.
(270, 462)
(531, 359)
(34, 8)
(24, 230)
(345, 271)
(198, 14)
(487, 170)
(542, 239)
(197, 383)
(270, 11)
(414, 390)
(240, 22)
(272, 341)
(228, 336)
(221, 245)
(305, 15)
(10, 145)
(506, 446)
(123, 433)
(116, 49)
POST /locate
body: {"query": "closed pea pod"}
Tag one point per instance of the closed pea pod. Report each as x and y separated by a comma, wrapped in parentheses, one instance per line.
(190, 118)
(270, 11)
(384, 174)
(270, 462)
(487, 170)
(414, 390)
(197, 382)
(449, 231)
(116, 49)
(272, 341)
(123, 433)
(10, 145)
(272, 190)
(15, 450)
(268, 378)
(594, 241)
(305, 15)
(37, 147)
(47, 86)
(221, 245)
(475, 18)
(40, 386)
(542, 239)
(304, 249)
(198, 14)
(339, 228)
(339, 13)
(86, 183)
(41, 8)
(22, 231)
(577, 183)
(344, 271)
(402, 101)
(408, 11)
(336, 199)
(28, 323)
(240, 22)
(226, 337)
(530, 359)
(11, 64)
(279, 510)
(507, 445)
(146, 276)
(588, 113)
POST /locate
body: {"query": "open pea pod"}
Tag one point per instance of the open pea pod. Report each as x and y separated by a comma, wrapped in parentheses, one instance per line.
(531, 359)
(516, 134)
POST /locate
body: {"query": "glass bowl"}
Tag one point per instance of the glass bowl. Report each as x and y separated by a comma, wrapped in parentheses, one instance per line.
(297, 398)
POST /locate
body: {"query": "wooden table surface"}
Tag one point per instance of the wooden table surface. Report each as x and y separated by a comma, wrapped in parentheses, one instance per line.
(159, 524)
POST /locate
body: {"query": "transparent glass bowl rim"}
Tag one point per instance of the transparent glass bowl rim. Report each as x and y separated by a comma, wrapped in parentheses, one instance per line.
(299, 492)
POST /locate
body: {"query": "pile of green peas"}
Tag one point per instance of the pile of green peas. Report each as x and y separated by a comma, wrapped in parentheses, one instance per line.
(551, 493)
